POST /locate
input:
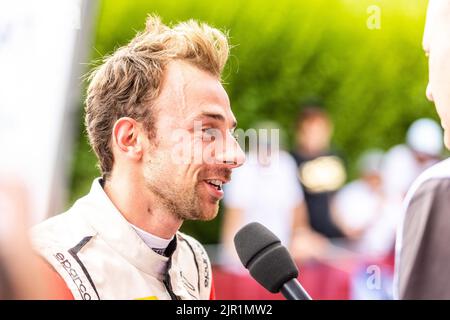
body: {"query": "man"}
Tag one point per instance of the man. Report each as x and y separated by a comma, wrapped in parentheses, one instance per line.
(423, 255)
(320, 170)
(121, 241)
(361, 210)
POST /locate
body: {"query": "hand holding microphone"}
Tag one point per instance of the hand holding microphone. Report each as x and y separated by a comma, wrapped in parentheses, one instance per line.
(268, 262)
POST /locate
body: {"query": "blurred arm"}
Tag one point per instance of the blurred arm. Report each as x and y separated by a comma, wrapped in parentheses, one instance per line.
(306, 244)
(300, 220)
(232, 221)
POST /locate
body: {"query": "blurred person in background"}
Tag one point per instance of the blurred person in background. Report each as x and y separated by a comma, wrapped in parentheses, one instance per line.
(361, 211)
(320, 170)
(265, 189)
(121, 241)
(422, 247)
(405, 162)
(19, 277)
(23, 274)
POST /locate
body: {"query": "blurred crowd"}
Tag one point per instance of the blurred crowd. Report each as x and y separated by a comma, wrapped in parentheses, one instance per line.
(302, 196)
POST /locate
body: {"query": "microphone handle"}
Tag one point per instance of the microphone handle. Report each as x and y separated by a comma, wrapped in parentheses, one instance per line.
(292, 290)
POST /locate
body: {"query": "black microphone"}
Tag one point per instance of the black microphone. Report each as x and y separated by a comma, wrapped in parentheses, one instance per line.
(268, 261)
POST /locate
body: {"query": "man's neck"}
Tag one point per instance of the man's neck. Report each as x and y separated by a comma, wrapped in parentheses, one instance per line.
(141, 208)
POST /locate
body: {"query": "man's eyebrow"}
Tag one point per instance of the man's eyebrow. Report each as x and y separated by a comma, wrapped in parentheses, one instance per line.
(216, 116)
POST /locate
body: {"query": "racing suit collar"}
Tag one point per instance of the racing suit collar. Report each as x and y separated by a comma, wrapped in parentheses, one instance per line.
(115, 230)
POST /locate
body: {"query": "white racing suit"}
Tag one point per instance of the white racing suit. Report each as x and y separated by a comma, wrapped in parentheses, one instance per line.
(99, 255)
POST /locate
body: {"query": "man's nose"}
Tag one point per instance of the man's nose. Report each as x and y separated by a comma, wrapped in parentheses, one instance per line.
(429, 93)
(232, 155)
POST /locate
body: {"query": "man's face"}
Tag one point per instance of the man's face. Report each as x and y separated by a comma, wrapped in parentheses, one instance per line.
(436, 43)
(315, 134)
(194, 150)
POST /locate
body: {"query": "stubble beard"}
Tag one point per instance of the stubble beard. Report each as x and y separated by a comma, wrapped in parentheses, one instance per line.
(182, 203)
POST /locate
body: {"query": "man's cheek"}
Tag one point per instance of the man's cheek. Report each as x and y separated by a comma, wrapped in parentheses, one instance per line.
(439, 65)
(438, 89)
(445, 81)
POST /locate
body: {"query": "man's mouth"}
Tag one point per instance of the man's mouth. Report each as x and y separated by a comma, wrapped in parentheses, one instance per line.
(216, 184)
(215, 188)
(214, 181)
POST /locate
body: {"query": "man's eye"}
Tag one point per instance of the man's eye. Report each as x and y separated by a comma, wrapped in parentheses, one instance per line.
(209, 133)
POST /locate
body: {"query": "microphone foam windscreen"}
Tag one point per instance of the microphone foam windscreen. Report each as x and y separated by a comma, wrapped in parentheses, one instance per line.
(263, 255)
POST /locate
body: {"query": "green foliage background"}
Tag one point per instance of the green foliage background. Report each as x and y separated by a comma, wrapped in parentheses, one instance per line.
(287, 51)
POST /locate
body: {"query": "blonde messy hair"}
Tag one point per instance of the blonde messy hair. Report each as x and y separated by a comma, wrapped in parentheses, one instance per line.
(129, 80)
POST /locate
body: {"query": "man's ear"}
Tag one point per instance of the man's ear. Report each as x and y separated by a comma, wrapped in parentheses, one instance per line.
(126, 138)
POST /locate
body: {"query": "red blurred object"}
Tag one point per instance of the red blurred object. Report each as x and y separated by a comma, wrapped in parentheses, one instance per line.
(319, 280)
(323, 281)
